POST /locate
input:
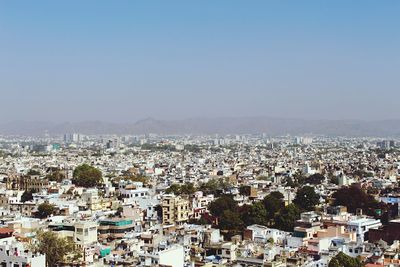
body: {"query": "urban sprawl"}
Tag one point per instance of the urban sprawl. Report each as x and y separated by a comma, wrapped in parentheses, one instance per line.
(192, 200)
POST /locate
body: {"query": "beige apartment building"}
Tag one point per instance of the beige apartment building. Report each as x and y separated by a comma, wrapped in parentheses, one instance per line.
(32, 183)
(175, 210)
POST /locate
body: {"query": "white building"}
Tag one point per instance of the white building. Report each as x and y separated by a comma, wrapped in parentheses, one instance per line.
(13, 254)
(361, 227)
(173, 256)
(262, 234)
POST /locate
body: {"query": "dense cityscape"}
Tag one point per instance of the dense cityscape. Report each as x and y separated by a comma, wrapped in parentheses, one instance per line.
(234, 200)
(176, 133)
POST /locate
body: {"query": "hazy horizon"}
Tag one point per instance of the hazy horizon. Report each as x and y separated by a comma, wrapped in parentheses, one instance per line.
(209, 118)
(125, 61)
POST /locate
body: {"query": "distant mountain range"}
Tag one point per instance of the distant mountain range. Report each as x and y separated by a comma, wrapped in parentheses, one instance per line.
(243, 125)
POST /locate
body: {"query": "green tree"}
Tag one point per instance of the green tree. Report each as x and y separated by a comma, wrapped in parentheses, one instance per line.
(203, 221)
(290, 182)
(27, 196)
(230, 220)
(306, 198)
(45, 210)
(354, 197)
(277, 195)
(131, 177)
(55, 248)
(86, 176)
(173, 189)
(287, 217)
(244, 190)
(299, 178)
(55, 175)
(139, 178)
(214, 186)
(316, 179)
(256, 214)
(187, 189)
(272, 204)
(343, 260)
(218, 206)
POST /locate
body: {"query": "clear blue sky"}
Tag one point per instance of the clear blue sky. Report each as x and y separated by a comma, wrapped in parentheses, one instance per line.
(127, 60)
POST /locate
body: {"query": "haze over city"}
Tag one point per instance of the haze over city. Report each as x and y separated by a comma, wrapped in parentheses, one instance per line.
(129, 60)
(199, 133)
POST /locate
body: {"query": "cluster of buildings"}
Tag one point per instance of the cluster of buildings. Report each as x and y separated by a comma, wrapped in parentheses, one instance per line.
(132, 220)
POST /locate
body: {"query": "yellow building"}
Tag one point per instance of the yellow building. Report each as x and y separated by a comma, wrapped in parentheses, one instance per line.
(175, 210)
(91, 200)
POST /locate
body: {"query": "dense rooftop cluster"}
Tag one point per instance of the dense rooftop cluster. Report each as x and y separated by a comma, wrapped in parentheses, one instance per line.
(235, 200)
